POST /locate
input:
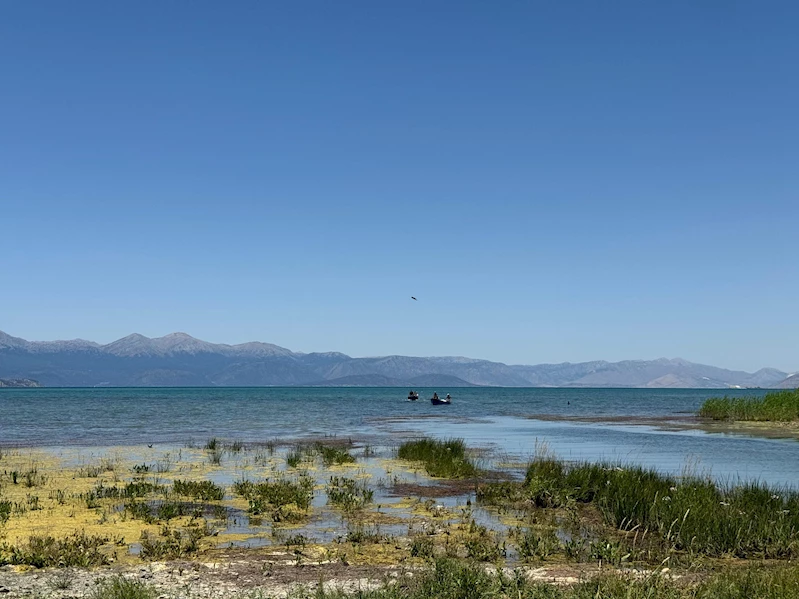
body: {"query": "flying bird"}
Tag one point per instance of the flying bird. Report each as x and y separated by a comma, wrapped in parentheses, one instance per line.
(413, 298)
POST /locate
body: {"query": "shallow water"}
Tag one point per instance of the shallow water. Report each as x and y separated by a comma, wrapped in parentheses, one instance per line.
(496, 419)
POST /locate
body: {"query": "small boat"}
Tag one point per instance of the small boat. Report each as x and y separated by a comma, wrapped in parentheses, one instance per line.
(413, 396)
(437, 401)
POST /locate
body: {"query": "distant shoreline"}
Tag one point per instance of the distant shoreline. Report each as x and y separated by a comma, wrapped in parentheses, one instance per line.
(767, 429)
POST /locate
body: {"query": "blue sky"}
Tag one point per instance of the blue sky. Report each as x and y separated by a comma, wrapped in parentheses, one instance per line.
(558, 181)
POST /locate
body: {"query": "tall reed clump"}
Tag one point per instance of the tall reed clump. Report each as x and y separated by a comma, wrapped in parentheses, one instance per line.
(689, 513)
(444, 459)
(777, 406)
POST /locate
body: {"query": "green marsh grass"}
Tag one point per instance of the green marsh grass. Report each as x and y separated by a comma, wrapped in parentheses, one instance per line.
(172, 543)
(687, 514)
(348, 494)
(332, 455)
(775, 406)
(5, 510)
(298, 455)
(205, 490)
(443, 459)
(283, 499)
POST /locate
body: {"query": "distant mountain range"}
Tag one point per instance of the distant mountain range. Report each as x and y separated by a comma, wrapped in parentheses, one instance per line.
(181, 360)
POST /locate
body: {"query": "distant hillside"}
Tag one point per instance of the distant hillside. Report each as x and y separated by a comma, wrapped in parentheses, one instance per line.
(378, 380)
(179, 359)
(362, 380)
(19, 383)
(792, 382)
(442, 381)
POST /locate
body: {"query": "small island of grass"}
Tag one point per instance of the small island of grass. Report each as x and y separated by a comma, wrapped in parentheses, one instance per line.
(775, 406)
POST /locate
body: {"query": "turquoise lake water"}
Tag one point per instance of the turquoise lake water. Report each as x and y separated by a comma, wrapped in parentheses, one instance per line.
(510, 423)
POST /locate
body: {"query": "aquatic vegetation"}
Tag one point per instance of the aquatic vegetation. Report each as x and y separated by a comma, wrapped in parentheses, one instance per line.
(95, 470)
(213, 444)
(422, 546)
(688, 514)
(361, 535)
(215, 457)
(235, 446)
(334, 455)
(777, 406)
(120, 587)
(172, 543)
(299, 454)
(27, 478)
(283, 499)
(347, 493)
(205, 490)
(444, 459)
(5, 510)
(78, 549)
(535, 545)
(482, 544)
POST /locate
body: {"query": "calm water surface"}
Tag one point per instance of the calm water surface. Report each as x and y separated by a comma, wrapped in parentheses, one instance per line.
(502, 420)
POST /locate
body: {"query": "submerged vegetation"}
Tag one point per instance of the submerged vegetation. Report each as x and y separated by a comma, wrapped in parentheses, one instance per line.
(442, 459)
(775, 406)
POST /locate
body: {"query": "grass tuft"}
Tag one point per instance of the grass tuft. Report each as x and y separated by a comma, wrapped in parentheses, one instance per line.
(123, 588)
(205, 490)
(444, 459)
(348, 494)
(334, 455)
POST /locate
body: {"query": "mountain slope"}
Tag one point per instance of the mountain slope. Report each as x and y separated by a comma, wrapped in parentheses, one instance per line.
(179, 359)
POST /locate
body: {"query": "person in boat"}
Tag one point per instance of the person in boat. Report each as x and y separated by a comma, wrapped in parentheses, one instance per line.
(435, 395)
(448, 397)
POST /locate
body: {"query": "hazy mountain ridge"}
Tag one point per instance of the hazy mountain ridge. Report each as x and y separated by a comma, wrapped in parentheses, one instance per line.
(179, 359)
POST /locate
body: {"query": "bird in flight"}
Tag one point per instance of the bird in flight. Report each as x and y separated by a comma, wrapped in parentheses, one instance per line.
(413, 298)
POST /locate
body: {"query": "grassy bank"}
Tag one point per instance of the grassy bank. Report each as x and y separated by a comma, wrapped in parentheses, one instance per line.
(688, 514)
(775, 406)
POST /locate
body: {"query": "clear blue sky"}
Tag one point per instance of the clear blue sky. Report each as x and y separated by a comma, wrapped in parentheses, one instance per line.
(558, 181)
